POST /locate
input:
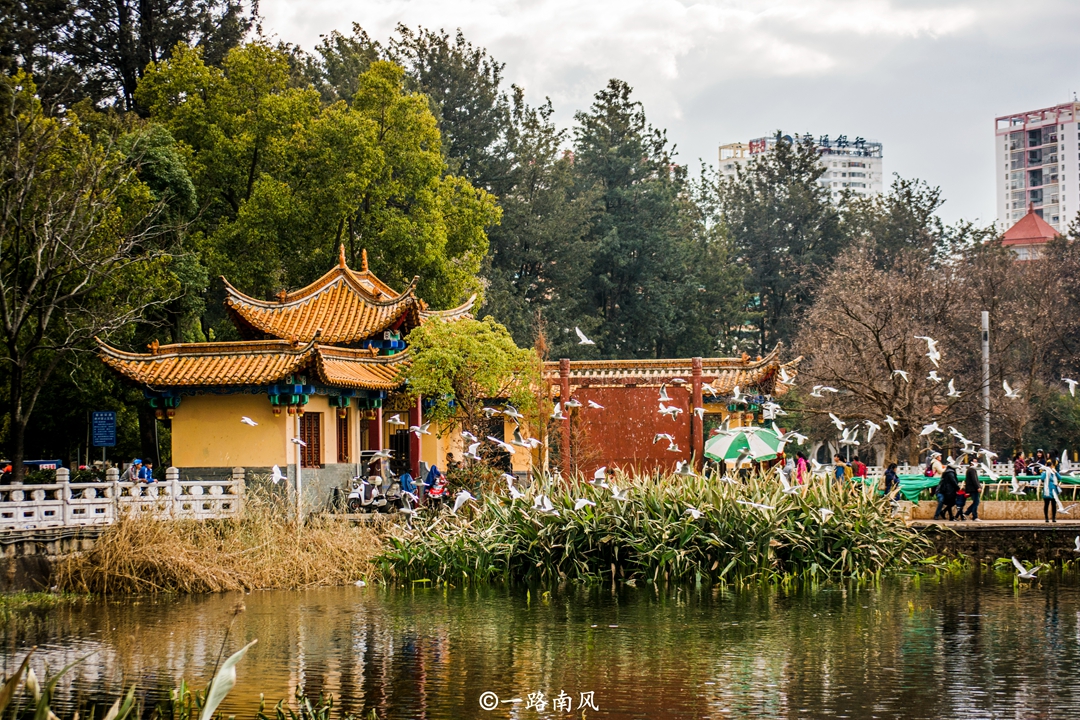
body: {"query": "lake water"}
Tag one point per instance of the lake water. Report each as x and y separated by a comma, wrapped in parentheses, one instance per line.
(971, 646)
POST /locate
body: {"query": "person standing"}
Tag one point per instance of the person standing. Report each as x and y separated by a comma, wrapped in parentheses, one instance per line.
(892, 481)
(131, 474)
(858, 467)
(1019, 464)
(839, 468)
(973, 488)
(800, 468)
(1050, 483)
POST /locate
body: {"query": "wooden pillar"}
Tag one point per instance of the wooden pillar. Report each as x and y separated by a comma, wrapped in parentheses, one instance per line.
(375, 438)
(416, 417)
(697, 421)
(564, 395)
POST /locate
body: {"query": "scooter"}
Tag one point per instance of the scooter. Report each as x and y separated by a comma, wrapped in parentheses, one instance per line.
(437, 495)
(392, 495)
(365, 497)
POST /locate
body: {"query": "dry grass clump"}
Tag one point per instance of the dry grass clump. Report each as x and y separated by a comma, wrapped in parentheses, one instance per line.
(261, 549)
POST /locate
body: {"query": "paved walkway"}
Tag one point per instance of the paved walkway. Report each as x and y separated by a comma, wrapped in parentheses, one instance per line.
(998, 524)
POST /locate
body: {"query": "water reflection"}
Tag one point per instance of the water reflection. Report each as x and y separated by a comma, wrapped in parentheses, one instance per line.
(971, 647)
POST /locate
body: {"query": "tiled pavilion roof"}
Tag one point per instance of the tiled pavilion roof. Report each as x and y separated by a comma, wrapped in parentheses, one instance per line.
(346, 305)
(257, 362)
(722, 373)
(1029, 230)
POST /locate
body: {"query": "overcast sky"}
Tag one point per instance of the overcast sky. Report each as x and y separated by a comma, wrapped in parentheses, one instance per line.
(926, 78)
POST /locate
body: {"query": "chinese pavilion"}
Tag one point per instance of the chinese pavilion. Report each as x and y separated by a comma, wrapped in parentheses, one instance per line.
(322, 363)
(623, 433)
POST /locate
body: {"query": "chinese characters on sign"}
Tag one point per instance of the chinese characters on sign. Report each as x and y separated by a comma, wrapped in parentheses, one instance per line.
(539, 701)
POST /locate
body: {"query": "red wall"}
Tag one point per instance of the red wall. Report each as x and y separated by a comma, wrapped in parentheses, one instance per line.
(621, 435)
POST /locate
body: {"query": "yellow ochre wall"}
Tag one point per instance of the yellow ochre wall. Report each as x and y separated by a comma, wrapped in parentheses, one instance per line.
(207, 432)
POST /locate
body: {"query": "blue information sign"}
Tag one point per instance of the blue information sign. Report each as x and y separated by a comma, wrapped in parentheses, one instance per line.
(103, 428)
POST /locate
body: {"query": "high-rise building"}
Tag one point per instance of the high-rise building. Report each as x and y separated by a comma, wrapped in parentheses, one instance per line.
(1038, 165)
(853, 165)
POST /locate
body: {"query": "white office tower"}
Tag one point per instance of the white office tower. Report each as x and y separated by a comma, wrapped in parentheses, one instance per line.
(850, 164)
(1038, 165)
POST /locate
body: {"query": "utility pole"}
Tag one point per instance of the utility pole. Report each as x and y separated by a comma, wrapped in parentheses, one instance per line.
(986, 377)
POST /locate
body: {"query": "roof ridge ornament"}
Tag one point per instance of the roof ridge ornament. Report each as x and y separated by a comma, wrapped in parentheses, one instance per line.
(341, 256)
(363, 260)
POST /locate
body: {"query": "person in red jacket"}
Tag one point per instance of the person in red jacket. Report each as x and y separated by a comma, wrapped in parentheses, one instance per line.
(858, 468)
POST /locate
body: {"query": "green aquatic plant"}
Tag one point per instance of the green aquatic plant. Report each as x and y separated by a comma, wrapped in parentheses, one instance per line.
(673, 528)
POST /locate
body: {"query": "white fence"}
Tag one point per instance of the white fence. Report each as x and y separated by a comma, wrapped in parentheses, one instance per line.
(67, 504)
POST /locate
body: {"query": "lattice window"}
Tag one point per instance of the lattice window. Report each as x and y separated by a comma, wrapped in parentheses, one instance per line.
(311, 433)
(343, 438)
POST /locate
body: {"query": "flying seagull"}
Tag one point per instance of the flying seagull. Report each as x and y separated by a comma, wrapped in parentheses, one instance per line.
(599, 477)
(663, 436)
(248, 421)
(664, 397)
(595, 405)
(582, 340)
(932, 351)
(673, 411)
(382, 454)
(419, 430)
(396, 420)
(621, 495)
(818, 389)
(930, 429)
(298, 441)
(472, 453)
(696, 514)
(491, 412)
(1009, 392)
(1076, 548)
(462, 497)
(904, 374)
(557, 413)
(759, 506)
(1023, 572)
(789, 489)
(572, 403)
(504, 445)
(891, 422)
(582, 502)
(826, 513)
(871, 428)
(953, 392)
(1072, 385)
(276, 475)
(469, 436)
(933, 376)
(511, 411)
(849, 437)
(785, 378)
(837, 421)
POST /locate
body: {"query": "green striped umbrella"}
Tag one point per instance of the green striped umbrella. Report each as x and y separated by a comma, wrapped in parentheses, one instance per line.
(761, 442)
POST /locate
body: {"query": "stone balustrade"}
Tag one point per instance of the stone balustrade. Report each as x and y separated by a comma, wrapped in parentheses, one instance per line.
(67, 504)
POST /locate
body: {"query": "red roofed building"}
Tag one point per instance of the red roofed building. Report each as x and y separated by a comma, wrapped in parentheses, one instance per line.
(1028, 235)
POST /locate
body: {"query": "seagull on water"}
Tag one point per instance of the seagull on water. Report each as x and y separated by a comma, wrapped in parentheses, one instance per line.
(1023, 573)
(582, 340)
(248, 421)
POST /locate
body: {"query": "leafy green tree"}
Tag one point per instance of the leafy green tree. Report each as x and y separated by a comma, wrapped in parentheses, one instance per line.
(785, 231)
(98, 49)
(649, 280)
(284, 179)
(465, 364)
(83, 247)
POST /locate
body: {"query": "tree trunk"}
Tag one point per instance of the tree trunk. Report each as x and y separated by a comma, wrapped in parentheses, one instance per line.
(148, 445)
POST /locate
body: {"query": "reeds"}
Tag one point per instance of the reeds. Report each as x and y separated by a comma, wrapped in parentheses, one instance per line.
(261, 549)
(651, 538)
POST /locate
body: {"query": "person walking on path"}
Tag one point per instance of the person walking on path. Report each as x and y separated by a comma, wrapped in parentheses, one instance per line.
(840, 471)
(973, 489)
(800, 468)
(946, 493)
(858, 467)
(892, 481)
(1050, 483)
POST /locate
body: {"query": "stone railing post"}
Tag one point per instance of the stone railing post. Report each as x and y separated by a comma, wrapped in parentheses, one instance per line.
(238, 480)
(63, 477)
(172, 482)
(112, 475)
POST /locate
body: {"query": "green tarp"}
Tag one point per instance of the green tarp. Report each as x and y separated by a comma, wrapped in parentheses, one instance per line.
(912, 485)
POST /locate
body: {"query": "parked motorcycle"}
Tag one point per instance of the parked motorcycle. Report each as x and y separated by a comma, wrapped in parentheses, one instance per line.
(437, 495)
(366, 497)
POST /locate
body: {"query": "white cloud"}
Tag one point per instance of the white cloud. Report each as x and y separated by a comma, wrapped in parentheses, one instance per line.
(723, 70)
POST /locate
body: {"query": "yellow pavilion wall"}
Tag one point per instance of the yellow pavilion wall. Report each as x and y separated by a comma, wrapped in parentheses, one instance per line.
(207, 432)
